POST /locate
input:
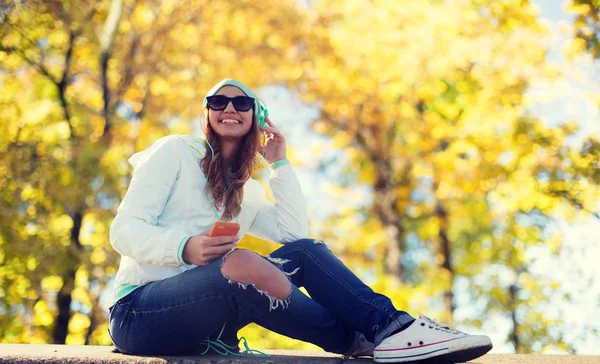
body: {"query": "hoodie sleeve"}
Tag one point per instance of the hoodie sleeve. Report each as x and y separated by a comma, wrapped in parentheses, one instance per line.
(135, 232)
(287, 219)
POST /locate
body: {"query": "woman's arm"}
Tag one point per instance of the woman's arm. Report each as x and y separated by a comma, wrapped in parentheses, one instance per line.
(287, 219)
(134, 232)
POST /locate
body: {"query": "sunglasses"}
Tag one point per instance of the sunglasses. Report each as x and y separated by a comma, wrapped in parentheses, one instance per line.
(220, 102)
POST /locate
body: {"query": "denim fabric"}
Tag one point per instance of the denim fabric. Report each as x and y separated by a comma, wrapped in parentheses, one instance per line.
(175, 314)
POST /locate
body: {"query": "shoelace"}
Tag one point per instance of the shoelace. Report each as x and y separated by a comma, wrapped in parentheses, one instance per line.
(223, 349)
(444, 328)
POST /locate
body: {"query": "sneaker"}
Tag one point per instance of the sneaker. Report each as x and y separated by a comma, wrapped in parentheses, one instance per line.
(426, 339)
(364, 347)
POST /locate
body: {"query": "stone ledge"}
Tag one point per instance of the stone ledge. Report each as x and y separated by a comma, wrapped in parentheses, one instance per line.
(55, 354)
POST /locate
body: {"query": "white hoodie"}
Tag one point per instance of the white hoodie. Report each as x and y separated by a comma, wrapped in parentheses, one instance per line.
(166, 203)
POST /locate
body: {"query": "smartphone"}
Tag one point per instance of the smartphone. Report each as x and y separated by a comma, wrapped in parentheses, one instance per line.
(220, 228)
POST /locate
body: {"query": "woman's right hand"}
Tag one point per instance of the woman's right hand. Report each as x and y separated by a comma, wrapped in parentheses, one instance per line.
(202, 249)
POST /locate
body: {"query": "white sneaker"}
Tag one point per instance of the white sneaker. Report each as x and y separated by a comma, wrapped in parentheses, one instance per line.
(426, 339)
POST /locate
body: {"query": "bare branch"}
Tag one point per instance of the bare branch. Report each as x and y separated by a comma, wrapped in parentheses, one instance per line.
(90, 15)
(106, 42)
(87, 108)
(128, 72)
(64, 82)
(570, 199)
(573, 201)
(31, 62)
(140, 114)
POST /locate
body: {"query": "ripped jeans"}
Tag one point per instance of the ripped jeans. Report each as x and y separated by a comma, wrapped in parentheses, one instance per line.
(174, 315)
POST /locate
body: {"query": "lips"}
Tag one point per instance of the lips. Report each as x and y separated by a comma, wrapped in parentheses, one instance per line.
(229, 121)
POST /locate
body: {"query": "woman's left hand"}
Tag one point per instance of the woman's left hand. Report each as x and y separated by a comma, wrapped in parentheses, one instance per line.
(275, 146)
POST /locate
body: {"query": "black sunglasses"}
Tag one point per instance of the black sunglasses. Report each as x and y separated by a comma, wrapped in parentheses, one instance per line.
(220, 102)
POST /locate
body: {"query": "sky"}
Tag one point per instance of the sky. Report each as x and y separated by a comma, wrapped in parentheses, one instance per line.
(569, 100)
(574, 103)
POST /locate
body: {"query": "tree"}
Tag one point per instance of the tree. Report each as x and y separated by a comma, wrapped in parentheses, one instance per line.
(430, 112)
(427, 104)
(587, 25)
(86, 84)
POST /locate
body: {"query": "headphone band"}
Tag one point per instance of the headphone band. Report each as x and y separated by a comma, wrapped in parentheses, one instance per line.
(261, 113)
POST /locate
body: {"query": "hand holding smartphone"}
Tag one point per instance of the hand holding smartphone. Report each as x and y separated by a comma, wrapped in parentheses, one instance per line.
(202, 249)
(221, 228)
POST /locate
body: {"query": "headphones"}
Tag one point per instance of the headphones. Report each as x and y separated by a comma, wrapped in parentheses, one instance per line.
(260, 108)
(261, 112)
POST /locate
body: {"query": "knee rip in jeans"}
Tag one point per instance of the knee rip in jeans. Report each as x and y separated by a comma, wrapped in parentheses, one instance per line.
(274, 302)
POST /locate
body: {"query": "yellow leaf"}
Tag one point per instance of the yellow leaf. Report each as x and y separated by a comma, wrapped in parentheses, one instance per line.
(31, 263)
(159, 86)
(78, 323)
(51, 283)
(98, 256)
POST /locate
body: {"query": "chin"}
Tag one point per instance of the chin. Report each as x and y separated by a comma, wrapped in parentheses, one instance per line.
(231, 134)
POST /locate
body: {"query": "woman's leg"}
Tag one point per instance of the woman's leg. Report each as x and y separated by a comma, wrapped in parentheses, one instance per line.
(397, 336)
(282, 307)
(177, 313)
(330, 283)
(172, 315)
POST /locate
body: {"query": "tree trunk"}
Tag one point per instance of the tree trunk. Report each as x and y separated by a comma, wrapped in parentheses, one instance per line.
(385, 206)
(63, 302)
(63, 298)
(95, 318)
(444, 244)
(445, 251)
(64, 295)
(514, 334)
(106, 42)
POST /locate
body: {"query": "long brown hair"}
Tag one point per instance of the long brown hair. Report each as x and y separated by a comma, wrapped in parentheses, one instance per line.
(246, 161)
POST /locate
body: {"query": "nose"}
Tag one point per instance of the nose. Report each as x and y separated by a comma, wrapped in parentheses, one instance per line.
(230, 107)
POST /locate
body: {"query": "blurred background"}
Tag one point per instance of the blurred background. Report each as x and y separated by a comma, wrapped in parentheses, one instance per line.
(448, 150)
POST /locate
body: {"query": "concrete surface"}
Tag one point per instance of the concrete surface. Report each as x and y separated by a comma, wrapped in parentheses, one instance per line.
(54, 354)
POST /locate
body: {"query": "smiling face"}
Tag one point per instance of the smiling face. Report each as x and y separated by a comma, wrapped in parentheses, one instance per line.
(230, 123)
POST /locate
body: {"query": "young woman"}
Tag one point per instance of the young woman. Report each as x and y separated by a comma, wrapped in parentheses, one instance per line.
(178, 290)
